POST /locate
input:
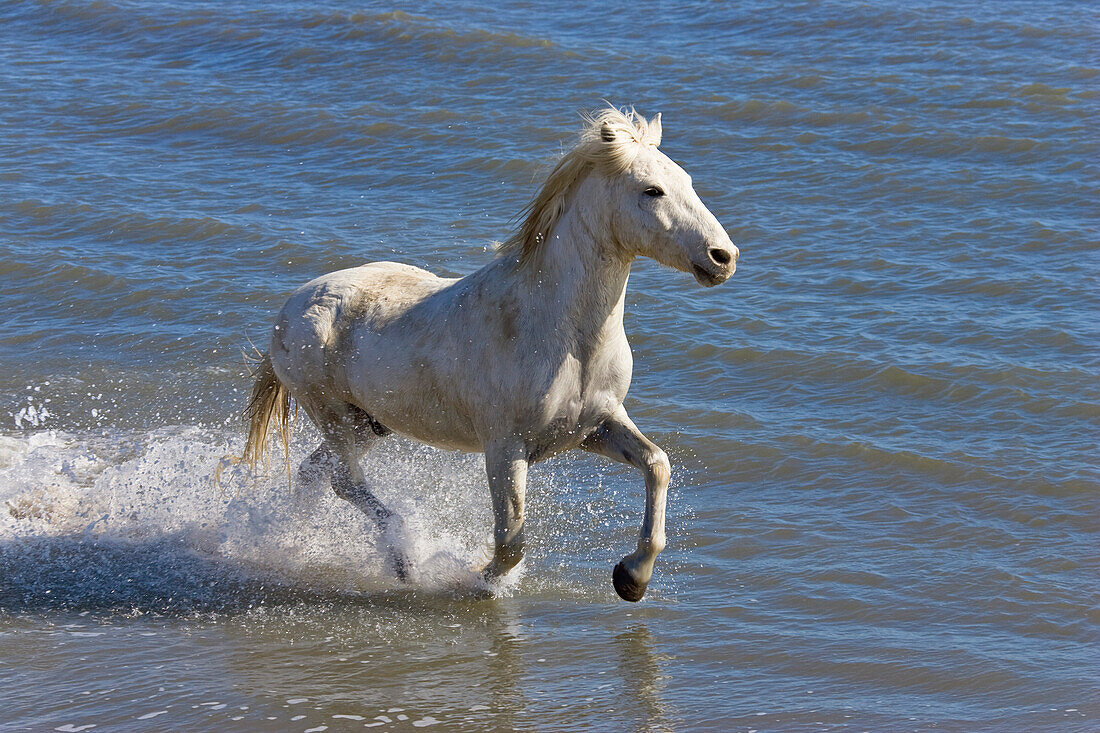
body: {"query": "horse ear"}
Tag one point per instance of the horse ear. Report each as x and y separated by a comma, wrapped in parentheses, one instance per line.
(655, 129)
(607, 132)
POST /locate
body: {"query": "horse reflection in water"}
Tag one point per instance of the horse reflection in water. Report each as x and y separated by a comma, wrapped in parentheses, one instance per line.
(520, 360)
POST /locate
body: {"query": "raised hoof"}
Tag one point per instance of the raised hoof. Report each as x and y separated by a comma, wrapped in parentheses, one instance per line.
(625, 585)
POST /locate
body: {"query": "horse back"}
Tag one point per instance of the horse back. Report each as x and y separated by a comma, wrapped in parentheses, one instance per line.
(315, 330)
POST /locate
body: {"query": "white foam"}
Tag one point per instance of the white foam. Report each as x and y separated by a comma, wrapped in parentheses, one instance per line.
(159, 486)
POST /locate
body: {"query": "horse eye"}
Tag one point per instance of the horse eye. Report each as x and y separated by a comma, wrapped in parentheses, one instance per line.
(654, 191)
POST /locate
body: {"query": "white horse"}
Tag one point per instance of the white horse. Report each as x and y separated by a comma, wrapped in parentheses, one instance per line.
(521, 360)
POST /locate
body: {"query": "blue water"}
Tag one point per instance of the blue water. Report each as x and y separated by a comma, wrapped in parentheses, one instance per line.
(884, 428)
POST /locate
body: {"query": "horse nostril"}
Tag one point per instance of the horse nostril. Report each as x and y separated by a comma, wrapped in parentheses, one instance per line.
(720, 256)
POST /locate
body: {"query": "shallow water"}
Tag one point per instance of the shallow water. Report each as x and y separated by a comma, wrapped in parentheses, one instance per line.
(884, 428)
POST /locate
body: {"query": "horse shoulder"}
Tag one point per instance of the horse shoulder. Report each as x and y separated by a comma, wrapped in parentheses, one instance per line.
(580, 391)
(608, 373)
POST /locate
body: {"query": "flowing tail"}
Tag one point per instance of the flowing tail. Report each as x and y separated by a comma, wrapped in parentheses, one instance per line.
(270, 402)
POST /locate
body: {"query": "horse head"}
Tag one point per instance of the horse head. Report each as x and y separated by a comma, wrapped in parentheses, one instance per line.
(654, 211)
(633, 198)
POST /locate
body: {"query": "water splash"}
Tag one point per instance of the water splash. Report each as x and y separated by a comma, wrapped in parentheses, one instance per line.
(134, 520)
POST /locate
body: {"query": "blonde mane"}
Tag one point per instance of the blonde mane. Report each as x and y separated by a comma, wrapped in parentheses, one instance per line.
(609, 142)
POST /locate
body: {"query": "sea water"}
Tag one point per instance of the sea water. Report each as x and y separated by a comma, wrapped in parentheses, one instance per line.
(885, 493)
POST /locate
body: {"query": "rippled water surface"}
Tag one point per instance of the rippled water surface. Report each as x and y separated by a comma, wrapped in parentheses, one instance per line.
(884, 429)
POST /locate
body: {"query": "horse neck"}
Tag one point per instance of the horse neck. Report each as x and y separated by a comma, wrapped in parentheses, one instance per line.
(578, 277)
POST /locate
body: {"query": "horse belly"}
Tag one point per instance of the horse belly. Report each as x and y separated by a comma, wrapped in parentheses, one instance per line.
(394, 376)
(424, 417)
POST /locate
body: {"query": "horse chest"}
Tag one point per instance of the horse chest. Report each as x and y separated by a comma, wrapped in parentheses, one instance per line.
(581, 395)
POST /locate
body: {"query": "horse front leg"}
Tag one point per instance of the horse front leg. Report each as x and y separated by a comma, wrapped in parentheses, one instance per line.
(506, 466)
(619, 439)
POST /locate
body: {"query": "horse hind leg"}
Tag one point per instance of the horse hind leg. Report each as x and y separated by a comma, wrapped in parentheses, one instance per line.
(352, 488)
(320, 464)
(365, 430)
(349, 432)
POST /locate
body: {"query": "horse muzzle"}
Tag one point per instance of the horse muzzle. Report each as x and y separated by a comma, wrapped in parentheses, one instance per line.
(719, 265)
